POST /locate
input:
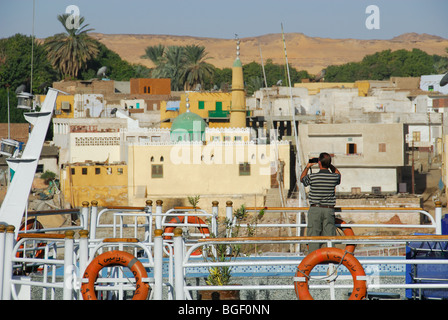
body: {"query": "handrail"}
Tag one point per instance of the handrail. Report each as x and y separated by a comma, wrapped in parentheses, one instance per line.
(332, 238)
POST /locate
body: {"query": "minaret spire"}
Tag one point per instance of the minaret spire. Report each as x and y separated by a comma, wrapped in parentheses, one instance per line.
(238, 107)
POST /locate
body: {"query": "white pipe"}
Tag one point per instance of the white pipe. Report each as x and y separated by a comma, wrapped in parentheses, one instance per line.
(93, 218)
(7, 271)
(2, 255)
(158, 262)
(178, 265)
(68, 265)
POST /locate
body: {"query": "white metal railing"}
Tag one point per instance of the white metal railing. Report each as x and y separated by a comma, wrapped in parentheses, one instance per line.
(79, 252)
(181, 265)
(434, 225)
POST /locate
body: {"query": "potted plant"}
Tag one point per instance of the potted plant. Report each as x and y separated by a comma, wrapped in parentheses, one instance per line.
(226, 252)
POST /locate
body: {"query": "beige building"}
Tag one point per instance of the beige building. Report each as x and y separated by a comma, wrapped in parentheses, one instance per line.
(369, 156)
(242, 172)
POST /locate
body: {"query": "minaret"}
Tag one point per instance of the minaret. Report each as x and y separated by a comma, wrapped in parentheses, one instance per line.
(238, 107)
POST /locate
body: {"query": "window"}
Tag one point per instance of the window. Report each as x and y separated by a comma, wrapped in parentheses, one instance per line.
(245, 169)
(156, 171)
(119, 171)
(73, 171)
(84, 171)
(97, 170)
(416, 136)
(109, 170)
(161, 159)
(351, 148)
(382, 147)
(201, 105)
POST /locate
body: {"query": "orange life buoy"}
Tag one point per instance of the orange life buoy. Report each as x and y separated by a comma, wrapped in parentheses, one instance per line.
(31, 224)
(191, 219)
(115, 258)
(327, 255)
(348, 232)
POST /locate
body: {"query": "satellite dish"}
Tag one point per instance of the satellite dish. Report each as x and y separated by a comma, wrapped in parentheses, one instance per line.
(101, 72)
(20, 88)
(114, 111)
(444, 80)
(279, 83)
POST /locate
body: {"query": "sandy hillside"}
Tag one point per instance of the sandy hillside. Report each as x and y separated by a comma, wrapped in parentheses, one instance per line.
(304, 53)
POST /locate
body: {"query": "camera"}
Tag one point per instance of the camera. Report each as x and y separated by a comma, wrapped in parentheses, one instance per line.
(313, 160)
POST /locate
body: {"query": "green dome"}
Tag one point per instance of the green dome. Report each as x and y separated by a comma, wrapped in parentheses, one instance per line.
(188, 126)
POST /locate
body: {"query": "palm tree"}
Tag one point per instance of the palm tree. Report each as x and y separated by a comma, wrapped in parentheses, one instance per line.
(196, 70)
(155, 54)
(69, 52)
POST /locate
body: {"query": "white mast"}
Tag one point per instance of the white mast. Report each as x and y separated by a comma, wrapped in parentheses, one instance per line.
(302, 194)
(16, 199)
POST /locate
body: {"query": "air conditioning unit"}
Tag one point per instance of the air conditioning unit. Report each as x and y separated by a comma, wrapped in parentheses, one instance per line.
(65, 106)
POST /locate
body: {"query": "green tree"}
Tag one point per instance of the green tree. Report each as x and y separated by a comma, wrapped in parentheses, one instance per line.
(117, 68)
(155, 54)
(69, 52)
(15, 70)
(196, 70)
(385, 64)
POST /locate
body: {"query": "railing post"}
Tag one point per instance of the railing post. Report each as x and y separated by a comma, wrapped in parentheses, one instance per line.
(178, 264)
(85, 214)
(2, 256)
(229, 218)
(68, 265)
(93, 217)
(148, 210)
(83, 251)
(438, 216)
(158, 264)
(159, 214)
(7, 271)
(215, 213)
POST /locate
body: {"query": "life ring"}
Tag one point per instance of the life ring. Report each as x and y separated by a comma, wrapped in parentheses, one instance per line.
(328, 255)
(347, 232)
(115, 258)
(192, 220)
(31, 224)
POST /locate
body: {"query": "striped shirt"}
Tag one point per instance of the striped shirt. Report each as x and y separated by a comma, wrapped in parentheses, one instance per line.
(322, 187)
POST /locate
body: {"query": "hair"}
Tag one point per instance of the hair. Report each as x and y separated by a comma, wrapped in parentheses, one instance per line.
(325, 160)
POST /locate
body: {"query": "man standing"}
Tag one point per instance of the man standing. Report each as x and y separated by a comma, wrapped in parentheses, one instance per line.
(322, 198)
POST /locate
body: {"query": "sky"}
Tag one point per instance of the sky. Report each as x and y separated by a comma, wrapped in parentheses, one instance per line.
(338, 19)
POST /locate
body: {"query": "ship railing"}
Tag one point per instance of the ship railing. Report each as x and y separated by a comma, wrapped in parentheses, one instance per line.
(116, 282)
(434, 224)
(183, 291)
(18, 262)
(144, 218)
(75, 214)
(60, 270)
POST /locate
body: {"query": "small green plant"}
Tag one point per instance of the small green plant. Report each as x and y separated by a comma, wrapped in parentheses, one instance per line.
(48, 176)
(222, 252)
(194, 201)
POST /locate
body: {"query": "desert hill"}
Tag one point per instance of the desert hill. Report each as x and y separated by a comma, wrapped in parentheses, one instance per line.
(304, 53)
